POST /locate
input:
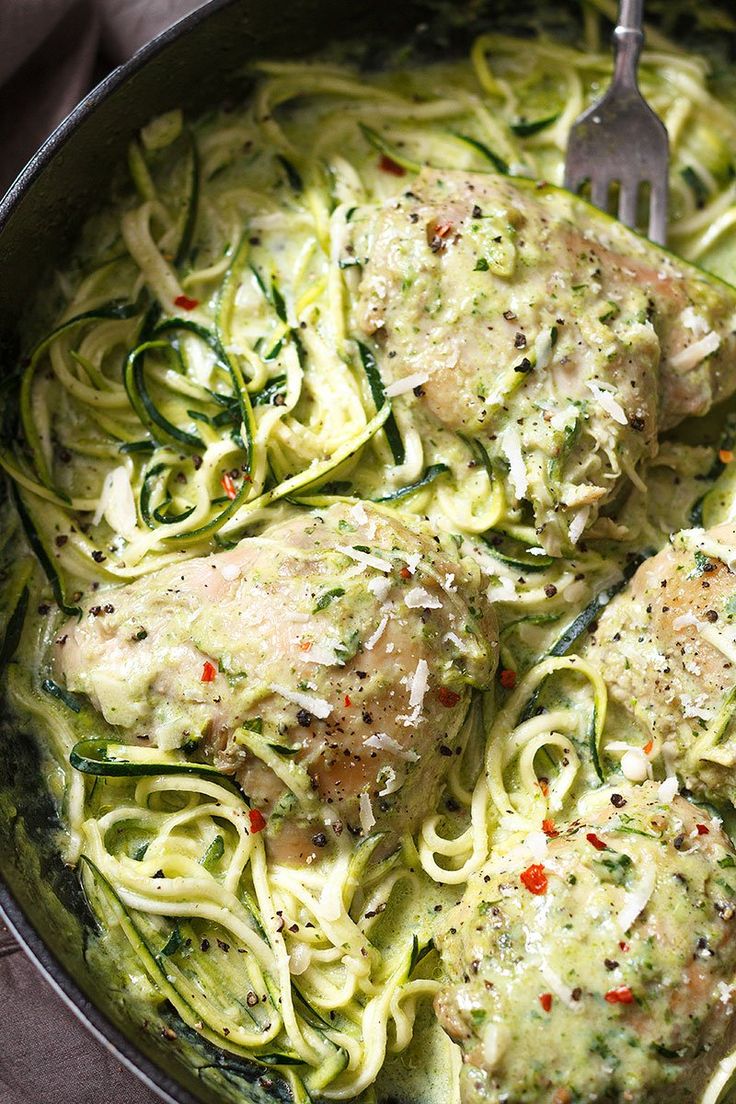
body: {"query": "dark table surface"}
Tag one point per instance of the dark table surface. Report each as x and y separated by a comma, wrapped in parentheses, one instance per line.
(46, 1055)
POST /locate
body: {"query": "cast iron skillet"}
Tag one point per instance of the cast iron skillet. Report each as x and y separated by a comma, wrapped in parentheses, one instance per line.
(198, 63)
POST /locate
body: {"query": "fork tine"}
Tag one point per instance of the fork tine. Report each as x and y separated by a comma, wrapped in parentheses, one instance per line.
(620, 139)
(627, 202)
(658, 212)
(599, 188)
(574, 177)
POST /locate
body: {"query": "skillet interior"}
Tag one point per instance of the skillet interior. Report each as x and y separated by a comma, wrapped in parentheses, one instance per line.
(198, 63)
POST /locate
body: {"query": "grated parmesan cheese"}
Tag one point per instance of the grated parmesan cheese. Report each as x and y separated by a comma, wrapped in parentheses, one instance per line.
(358, 514)
(667, 790)
(543, 348)
(694, 321)
(563, 418)
(635, 765)
(116, 504)
(575, 591)
(230, 572)
(420, 598)
(379, 588)
(690, 358)
(504, 592)
(578, 523)
(364, 558)
(536, 844)
(393, 782)
(408, 383)
(696, 705)
(367, 819)
(383, 742)
(373, 640)
(636, 901)
(317, 706)
(511, 445)
(419, 685)
(605, 399)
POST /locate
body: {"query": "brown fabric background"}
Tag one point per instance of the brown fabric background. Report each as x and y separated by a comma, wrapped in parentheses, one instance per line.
(46, 1055)
(53, 51)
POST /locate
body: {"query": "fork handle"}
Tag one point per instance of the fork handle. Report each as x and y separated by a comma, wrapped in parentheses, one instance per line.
(628, 39)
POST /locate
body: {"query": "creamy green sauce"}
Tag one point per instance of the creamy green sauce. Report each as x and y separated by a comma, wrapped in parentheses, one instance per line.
(231, 373)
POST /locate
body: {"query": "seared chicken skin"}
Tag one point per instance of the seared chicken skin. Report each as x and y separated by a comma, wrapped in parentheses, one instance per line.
(327, 663)
(519, 315)
(603, 972)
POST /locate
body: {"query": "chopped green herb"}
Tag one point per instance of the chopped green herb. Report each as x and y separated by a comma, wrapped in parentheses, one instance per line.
(325, 599)
(703, 563)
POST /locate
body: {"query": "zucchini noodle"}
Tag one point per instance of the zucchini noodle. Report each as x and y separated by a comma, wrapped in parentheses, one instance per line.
(204, 376)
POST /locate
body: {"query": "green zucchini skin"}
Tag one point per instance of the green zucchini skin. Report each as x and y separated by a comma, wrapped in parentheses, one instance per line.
(44, 559)
(94, 757)
(574, 631)
(432, 473)
(240, 391)
(160, 428)
(373, 375)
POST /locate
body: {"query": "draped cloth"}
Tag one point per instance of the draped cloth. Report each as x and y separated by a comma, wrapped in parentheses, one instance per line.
(53, 51)
(46, 1055)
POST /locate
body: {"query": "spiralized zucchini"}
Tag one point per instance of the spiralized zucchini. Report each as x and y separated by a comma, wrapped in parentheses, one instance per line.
(203, 378)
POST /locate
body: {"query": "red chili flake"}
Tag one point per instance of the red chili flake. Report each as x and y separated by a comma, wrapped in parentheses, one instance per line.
(448, 697)
(620, 995)
(405, 573)
(548, 827)
(388, 165)
(443, 229)
(228, 486)
(648, 747)
(543, 785)
(257, 820)
(534, 878)
(348, 702)
(545, 999)
(508, 679)
(702, 830)
(185, 302)
(596, 842)
(304, 645)
(624, 946)
(725, 456)
(209, 672)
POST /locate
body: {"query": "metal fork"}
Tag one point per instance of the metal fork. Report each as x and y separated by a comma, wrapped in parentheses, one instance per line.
(620, 139)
